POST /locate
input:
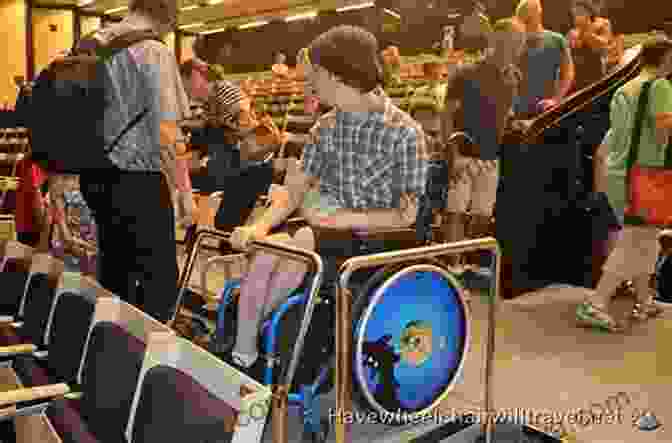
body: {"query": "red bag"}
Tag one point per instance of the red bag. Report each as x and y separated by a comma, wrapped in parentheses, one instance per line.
(647, 186)
(650, 195)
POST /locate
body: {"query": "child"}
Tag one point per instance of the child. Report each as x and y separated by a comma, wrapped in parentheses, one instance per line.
(74, 239)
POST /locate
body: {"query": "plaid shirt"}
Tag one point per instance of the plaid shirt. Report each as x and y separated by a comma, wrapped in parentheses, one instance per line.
(368, 161)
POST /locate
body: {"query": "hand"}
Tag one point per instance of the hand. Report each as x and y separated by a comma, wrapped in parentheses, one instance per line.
(279, 195)
(284, 137)
(204, 162)
(548, 103)
(244, 235)
(521, 125)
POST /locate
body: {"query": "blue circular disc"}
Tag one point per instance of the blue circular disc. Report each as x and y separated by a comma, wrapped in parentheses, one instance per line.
(410, 341)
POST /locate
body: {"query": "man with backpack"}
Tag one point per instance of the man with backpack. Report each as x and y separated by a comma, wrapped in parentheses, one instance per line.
(124, 98)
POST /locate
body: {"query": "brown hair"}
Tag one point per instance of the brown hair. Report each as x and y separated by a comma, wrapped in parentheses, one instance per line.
(350, 53)
(655, 50)
(165, 11)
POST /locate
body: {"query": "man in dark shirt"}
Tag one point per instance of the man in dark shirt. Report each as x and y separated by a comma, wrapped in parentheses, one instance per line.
(478, 102)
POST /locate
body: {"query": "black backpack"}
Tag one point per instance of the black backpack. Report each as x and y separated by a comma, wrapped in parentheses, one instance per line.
(68, 106)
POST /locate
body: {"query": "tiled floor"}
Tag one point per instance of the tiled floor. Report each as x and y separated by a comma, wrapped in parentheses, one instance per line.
(545, 365)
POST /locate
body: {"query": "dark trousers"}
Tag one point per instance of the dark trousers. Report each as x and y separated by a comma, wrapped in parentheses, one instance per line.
(136, 238)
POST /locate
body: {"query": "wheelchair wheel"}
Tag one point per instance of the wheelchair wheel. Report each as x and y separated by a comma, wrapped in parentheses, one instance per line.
(410, 335)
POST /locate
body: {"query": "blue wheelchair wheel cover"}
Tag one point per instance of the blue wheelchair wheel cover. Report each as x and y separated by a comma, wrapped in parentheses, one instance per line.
(422, 304)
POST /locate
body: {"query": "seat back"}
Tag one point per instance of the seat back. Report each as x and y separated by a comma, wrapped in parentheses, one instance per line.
(15, 259)
(71, 323)
(41, 295)
(187, 394)
(45, 271)
(115, 352)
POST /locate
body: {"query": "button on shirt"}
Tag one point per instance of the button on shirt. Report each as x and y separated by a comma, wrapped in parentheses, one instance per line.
(367, 160)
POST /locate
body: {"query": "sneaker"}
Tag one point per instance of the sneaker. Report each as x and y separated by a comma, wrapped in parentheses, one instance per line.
(590, 316)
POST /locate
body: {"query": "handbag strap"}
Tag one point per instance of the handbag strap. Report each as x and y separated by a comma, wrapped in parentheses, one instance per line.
(642, 104)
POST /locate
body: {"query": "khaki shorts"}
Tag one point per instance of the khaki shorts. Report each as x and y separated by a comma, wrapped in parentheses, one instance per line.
(473, 186)
(635, 252)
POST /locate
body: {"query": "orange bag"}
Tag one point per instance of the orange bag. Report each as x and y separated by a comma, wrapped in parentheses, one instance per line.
(647, 186)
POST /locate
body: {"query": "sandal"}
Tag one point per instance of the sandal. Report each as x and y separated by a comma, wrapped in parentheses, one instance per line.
(590, 316)
(645, 311)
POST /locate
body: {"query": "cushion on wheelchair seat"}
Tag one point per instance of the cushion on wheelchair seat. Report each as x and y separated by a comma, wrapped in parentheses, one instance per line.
(68, 424)
(175, 407)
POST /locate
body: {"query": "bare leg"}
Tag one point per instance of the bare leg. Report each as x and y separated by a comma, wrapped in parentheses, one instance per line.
(289, 274)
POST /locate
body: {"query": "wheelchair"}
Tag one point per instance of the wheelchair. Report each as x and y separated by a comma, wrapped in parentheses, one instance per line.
(404, 361)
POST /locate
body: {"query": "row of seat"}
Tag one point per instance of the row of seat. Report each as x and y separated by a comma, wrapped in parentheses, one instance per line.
(80, 365)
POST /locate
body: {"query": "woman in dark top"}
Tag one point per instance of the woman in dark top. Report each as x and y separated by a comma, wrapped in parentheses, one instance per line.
(589, 41)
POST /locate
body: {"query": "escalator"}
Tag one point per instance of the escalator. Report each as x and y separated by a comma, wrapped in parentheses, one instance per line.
(547, 233)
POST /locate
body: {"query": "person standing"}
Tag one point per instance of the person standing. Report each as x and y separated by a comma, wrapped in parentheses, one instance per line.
(132, 203)
(547, 66)
(634, 254)
(479, 101)
(589, 39)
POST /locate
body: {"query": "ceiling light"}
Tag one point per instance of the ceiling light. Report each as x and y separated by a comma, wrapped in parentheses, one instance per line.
(85, 3)
(353, 7)
(189, 8)
(192, 25)
(253, 24)
(392, 13)
(215, 2)
(214, 31)
(112, 11)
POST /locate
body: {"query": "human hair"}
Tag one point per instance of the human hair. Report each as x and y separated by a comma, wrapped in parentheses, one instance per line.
(654, 51)
(351, 54)
(163, 11)
(589, 7)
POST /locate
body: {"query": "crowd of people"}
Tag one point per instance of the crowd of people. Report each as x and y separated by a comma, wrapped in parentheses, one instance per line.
(363, 168)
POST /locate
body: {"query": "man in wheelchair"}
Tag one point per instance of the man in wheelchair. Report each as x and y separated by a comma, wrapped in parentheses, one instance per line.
(363, 170)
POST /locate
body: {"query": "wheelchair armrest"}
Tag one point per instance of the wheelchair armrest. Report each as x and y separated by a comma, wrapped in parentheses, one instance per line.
(14, 350)
(37, 393)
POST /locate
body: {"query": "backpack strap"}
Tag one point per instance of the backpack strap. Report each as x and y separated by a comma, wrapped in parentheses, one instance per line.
(642, 104)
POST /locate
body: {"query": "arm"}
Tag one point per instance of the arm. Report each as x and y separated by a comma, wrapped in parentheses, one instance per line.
(567, 73)
(600, 164)
(661, 104)
(169, 101)
(412, 159)
(297, 183)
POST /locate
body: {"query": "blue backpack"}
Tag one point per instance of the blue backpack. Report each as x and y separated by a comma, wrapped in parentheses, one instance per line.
(67, 108)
